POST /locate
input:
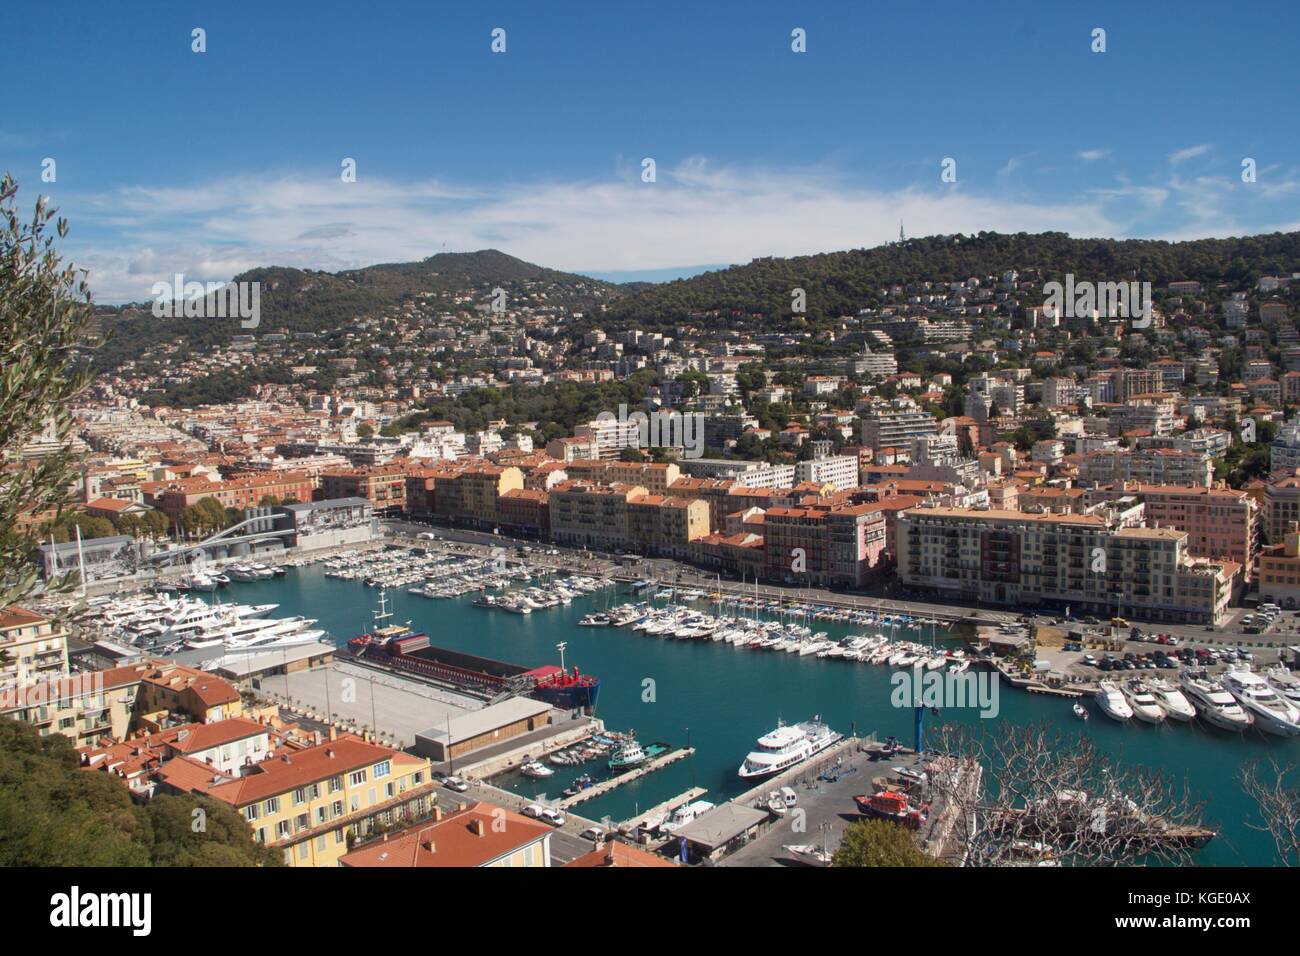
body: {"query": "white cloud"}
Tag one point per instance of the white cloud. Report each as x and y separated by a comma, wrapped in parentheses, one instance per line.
(697, 212)
(1092, 155)
(1191, 152)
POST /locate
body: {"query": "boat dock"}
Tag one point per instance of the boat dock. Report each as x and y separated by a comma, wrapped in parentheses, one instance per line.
(661, 810)
(613, 783)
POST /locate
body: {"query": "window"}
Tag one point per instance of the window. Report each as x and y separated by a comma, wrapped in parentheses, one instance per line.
(381, 769)
(357, 777)
(302, 821)
(250, 812)
(336, 808)
(300, 796)
(272, 806)
(336, 784)
(303, 850)
(282, 829)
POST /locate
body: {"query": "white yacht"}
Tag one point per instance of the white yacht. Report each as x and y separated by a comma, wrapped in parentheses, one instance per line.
(787, 746)
(1284, 682)
(1215, 704)
(1143, 701)
(1273, 714)
(1111, 701)
(1170, 699)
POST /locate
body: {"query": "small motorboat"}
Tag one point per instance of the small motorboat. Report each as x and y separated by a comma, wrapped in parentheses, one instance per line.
(534, 769)
(807, 853)
(1080, 711)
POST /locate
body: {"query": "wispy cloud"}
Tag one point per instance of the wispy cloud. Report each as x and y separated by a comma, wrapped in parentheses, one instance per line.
(1092, 155)
(1191, 152)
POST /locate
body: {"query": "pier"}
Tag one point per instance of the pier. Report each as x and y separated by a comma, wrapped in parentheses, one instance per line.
(613, 783)
(661, 810)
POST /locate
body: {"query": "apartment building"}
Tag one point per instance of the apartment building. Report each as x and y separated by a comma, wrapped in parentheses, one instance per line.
(658, 477)
(838, 470)
(472, 494)
(89, 706)
(666, 525)
(527, 510)
(1281, 506)
(384, 486)
(247, 491)
(1220, 522)
(1279, 571)
(610, 435)
(1153, 466)
(836, 546)
(32, 648)
(895, 425)
(309, 801)
(1078, 561)
(589, 515)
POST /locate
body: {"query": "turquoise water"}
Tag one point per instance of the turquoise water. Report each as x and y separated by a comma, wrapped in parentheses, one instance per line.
(719, 698)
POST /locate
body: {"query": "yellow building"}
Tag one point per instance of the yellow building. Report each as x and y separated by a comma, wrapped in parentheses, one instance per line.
(1279, 571)
(308, 802)
(591, 515)
(89, 706)
(667, 525)
(32, 648)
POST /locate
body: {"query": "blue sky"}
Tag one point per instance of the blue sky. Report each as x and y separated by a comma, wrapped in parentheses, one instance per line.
(211, 163)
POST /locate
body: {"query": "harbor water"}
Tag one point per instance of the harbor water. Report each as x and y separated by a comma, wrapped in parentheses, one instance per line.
(719, 698)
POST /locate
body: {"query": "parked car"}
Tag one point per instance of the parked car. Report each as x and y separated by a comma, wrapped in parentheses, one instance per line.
(553, 817)
(455, 783)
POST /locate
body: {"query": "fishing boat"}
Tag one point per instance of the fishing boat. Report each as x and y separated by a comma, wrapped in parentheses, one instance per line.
(627, 756)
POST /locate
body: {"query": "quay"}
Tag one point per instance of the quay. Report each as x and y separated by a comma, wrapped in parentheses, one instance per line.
(613, 783)
(661, 810)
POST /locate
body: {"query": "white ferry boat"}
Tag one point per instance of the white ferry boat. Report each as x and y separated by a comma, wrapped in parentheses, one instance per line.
(787, 746)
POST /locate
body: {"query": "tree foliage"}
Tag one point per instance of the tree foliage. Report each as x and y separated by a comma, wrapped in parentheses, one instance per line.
(880, 843)
(45, 313)
(53, 813)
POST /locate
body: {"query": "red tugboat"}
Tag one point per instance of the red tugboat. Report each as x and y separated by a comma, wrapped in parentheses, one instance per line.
(893, 806)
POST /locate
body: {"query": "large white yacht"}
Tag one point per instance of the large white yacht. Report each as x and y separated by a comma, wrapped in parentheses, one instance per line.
(1273, 714)
(1215, 704)
(1111, 701)
(1144, 703)
(787, 746)
(1284, 682)
(1170, 699)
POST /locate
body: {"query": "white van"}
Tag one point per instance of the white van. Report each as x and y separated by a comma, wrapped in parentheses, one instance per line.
(789, 797)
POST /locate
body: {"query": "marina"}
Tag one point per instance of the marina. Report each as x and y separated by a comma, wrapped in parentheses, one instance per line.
(723, 697)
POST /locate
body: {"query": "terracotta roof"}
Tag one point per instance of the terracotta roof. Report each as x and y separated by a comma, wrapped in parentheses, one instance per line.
(474, 836)
(616, 853)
